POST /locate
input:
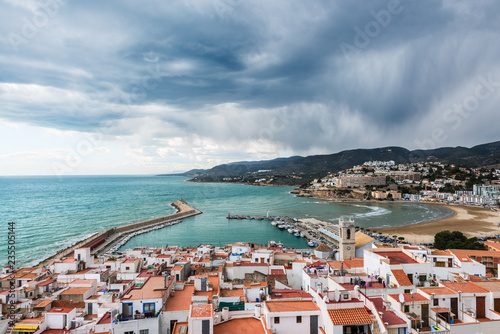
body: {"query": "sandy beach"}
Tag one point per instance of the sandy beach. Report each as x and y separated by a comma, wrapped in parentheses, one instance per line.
(470, 220)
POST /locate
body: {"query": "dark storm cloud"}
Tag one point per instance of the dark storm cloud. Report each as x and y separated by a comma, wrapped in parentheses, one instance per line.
(334, 70)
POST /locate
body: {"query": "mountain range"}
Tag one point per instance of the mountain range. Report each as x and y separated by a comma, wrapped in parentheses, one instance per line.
(477, 156)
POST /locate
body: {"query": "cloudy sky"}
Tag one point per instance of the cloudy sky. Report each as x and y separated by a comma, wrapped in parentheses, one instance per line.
(143, 87)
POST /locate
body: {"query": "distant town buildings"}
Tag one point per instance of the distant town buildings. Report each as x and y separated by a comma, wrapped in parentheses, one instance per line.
(422, 181)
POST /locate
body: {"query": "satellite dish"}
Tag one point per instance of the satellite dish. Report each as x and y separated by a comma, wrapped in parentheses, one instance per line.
(401, 298)
(337, 295)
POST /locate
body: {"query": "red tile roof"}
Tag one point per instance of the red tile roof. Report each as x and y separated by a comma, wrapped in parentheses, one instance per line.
(44, 303)
(438, 291)
(417, 297)
(75, 291)
(284, 294)
(240, 326)
(46, 282)
(181, 301)
(401, 277)
(61, 310)
(291, 305)
(396, 257)
(202, 311)
(350, 316)
(465, 287)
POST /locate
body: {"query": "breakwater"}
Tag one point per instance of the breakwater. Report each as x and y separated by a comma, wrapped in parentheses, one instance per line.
(102, 240)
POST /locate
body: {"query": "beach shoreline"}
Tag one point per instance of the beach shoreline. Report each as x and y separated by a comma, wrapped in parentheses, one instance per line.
(473, 221)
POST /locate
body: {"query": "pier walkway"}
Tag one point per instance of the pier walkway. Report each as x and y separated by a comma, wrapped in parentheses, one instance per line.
(101, 241)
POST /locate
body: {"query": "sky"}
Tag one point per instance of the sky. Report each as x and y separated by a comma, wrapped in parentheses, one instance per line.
(147, 87)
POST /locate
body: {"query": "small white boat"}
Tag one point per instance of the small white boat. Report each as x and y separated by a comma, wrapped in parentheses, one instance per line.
(311, 243)
(290, 230)
(302, 234)
(297, 235)
(281, 226)
(279, 244)
(272, 243)
(274, 223)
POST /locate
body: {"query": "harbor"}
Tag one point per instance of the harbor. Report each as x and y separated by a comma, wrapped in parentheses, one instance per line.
(315, 231)
(110, 240)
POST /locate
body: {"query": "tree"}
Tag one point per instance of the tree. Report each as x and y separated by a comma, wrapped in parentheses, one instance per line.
(441, 239)
(456, 240)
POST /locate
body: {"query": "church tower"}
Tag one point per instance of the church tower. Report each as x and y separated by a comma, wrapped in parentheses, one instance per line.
(347, 231)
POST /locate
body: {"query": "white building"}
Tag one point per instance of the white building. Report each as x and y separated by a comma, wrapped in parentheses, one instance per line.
(292, 316)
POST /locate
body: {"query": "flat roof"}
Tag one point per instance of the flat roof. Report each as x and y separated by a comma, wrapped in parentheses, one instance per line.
(396, 257)
(151, 289)
(202, 311)
(61, 310)
(241, 326)
(75, 291)
(408, 298)
(181, 301)
(291, 305)
(44, 303)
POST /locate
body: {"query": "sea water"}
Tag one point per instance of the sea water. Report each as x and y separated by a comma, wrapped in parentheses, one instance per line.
(51, 213)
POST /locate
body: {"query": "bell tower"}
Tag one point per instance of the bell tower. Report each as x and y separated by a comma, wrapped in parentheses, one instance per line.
(347, 231)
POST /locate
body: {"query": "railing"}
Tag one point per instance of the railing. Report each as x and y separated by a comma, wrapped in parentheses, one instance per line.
(434, 332)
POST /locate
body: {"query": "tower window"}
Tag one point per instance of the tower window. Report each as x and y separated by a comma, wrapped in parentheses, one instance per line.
(348, 234)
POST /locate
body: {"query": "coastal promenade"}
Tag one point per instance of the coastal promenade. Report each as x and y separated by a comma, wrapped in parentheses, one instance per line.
(102, 240)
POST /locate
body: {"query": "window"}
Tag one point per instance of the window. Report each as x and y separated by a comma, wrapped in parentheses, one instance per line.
(276, 320)
(348, 234)
(144, 331)
(436, 302)
(407, 291)
(131, 332)
(299, 319)
(149, 307)
(407, 308)
(127, 268)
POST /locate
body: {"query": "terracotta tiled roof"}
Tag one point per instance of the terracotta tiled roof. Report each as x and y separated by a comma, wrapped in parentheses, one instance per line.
(350, 316)
(438, 291)
(356, 262)
(361, 239)
(494, 244)
(255, 285)
(493, 286)
(75, 291)
(465, 287)
(43, 303)
(61, 310)
(291, 305)
(240, 326)
(46, 282)
(467, 252)
(401, 277)
(323, 248)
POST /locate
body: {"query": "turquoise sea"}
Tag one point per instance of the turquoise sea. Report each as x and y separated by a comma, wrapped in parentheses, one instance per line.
(53, 212)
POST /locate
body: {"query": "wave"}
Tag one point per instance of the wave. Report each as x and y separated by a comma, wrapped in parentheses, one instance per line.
(375, 211)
